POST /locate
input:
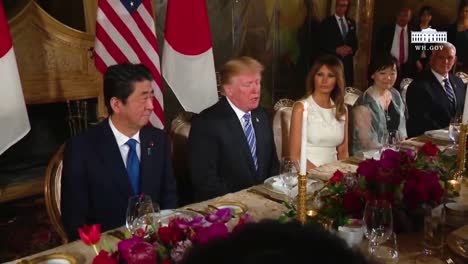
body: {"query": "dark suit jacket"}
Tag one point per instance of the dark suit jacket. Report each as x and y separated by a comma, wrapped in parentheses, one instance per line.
(220, 158)
(331, 38)
(95, 185)
(428, 105)
(383, 45)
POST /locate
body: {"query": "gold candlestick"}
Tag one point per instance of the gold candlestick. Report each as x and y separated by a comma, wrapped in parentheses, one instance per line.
(461, 158)
(301, 199)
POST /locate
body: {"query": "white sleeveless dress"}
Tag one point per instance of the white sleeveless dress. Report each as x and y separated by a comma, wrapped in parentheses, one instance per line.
(325, 133)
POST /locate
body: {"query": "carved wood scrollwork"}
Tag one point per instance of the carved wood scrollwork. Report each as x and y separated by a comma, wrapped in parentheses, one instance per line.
(55, 61)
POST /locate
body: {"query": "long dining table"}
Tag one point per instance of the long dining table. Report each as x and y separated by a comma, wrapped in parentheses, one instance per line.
(263, 205)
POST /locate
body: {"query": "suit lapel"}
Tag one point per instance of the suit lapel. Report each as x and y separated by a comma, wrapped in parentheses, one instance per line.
(438, 94)
(337, 27)
(238, 133)
(110, 153)
(148, 153)
(459, 92)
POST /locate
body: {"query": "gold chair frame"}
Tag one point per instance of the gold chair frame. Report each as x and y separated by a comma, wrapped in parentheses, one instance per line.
(52, 189)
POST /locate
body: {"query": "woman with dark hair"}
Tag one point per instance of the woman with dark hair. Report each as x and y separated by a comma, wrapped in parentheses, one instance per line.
(380, 109)
(327, 120)
(424, 21)
(458, 35)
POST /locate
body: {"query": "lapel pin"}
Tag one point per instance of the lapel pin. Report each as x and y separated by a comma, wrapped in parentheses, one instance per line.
(150, 146)
(256, 119)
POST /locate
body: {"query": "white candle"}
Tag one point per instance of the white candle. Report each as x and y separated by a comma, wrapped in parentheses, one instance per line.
(465, 111)
(303, 160)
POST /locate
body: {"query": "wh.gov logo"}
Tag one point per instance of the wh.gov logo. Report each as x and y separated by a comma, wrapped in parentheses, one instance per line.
(430, 36)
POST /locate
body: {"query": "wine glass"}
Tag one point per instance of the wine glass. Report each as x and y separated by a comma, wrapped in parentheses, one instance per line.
(141, 219)
(386, 252)
(378, 223)
(288, 174)
(454, 131)
(391, 139)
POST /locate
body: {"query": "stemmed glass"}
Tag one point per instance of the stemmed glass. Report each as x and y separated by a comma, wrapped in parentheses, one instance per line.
(378, 225)
(454, 131)
(142, 216)
(391, 139)
(288, 174)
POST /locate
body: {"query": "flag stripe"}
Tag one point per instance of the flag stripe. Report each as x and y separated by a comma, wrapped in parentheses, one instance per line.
(129, 35)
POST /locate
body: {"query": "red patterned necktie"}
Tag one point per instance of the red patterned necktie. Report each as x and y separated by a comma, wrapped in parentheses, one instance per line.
(401, 57)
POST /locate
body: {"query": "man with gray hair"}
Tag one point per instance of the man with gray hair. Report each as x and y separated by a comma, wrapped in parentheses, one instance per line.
(436, 96)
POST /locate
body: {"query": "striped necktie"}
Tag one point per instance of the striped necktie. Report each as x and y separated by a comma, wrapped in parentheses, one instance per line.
(133, 166)
(450, 94)
(250, 135)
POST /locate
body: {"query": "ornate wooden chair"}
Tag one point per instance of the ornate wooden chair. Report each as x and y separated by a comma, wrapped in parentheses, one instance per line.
(179, 133)
(281, 123)
(52, 188)
(351, 95)
(463, 76)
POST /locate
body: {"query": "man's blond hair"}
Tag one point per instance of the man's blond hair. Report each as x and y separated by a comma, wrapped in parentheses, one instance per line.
(237, 66)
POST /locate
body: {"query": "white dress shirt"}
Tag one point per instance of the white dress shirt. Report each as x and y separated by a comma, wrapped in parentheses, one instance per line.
(339, 23)
(122, 140)
(395, 51)
(240, 114)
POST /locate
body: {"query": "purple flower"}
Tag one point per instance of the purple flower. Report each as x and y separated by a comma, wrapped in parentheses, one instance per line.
(220, 216)
(136, 251)
(183, 223)
(216, 230)
(179, 250)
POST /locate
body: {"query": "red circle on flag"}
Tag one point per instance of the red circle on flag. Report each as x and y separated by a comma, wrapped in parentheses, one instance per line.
(187, 27)
(5, 38)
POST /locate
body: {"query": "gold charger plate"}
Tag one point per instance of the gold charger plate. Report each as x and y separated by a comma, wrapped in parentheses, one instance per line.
(458, 245)
(56, 258)
(237, 208)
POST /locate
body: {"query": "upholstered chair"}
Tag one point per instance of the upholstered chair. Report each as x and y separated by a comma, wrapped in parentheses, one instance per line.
(179, 133)
(52, 189)
(281, 124)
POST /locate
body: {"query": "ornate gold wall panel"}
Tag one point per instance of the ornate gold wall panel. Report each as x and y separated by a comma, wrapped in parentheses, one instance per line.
(55, 61)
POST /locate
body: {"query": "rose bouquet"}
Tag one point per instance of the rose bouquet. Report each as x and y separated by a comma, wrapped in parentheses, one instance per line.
(407, 179)
(168, 245)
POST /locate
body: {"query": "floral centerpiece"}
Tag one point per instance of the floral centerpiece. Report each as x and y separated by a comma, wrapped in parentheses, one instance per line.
(168, 245)
(407, 179)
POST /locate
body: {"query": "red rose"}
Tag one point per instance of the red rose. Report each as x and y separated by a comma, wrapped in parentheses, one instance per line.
(353, 203)
(90, 235)
(104, 258)
(168, 235)
(429, 149)
(337, 176)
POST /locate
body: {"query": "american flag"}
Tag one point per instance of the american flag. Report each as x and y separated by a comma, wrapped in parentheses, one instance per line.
(125, 32)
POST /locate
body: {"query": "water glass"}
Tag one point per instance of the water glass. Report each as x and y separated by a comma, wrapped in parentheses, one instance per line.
(289, 169)
(391, 139)
(142, 218)
(386, 252)
(434, 231)
(377, 222)
(454, 130)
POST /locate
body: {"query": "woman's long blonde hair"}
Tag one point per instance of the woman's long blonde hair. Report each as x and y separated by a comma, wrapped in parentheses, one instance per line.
(337, 94)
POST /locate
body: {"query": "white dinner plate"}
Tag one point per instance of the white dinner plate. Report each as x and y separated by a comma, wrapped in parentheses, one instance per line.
(442, 134)
(167, 215)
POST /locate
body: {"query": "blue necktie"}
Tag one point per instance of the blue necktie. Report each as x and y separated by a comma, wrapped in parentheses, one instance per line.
(450, 94)
(250, 135)
(133, 166)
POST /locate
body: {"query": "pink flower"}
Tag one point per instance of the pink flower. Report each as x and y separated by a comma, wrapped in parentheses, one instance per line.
(90, 235)
(216, 230)
(368, 169)
(178, 252)
(136, 251)
(222, 215)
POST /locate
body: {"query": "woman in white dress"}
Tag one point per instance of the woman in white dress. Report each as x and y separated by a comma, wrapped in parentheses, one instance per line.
(327, 120)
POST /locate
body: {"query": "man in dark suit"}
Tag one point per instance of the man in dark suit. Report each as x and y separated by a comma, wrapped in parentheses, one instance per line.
(337, 35)
(231, 143)
(118, 158)
(437, 95)
(396, 40)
